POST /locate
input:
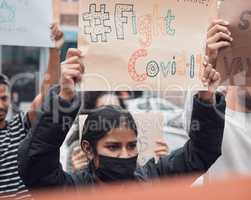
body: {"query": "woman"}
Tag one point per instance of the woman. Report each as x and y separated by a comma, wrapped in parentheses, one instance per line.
(77, 159)
(110, 137)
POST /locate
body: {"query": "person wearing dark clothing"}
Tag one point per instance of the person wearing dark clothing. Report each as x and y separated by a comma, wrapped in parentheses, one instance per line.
(112, 148)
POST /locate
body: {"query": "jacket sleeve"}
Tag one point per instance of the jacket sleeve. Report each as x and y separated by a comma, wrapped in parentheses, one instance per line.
(203, 147)
(38, 155)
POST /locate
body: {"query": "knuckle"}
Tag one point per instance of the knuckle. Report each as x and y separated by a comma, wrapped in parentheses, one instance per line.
(217, 27)
(218, 35)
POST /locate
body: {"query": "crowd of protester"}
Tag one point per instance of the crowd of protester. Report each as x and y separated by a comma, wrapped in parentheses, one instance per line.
(99, 154)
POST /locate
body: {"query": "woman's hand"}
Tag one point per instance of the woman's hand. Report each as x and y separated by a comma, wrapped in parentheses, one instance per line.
(211, 79)
(72, 70)
(161, 149)
(78, 159)
(218, 36)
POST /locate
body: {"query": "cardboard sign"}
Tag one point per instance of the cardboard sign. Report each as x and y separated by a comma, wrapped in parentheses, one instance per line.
(234, 63)
(143, 45)
(26, 23)
(150, 128)
(81, 122)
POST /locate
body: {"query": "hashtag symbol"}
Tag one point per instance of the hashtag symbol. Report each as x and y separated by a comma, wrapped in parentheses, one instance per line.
(97, 28)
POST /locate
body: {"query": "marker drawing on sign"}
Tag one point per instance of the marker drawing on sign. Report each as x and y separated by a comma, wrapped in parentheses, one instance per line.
(97, 28)
(169, 18)
(132, 65)
(121, 16)
(244, 22)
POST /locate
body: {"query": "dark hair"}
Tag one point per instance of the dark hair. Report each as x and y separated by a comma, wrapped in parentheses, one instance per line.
(102, 120)
(91, 98)
(89, 104)
(4, 80)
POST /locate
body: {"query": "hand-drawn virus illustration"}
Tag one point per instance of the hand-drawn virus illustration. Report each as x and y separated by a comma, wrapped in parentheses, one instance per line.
(152, 69)
(97, 20)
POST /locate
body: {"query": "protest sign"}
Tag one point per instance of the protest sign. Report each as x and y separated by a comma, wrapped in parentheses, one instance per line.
(150, 128)
(81, 122)
(26, 23)
(143, 45)
(234, 62)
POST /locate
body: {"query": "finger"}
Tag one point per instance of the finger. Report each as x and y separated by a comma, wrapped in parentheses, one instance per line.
(206, 61)
(219, 37)
(216, 77)
(54, 31)
(82, 67)
(78, 166)
(218, 45)
(211, 75)
(59, 34)
(72, 60)
(73, 52)
(160, 154)
(218, 28)
(160, 149)
(75, 153)
(77, 149)
(78, 161)
(52, 25)
(218, 21)
(75, 74)
(77, 67)
(79, 156)
(161, 143)
(207, 71)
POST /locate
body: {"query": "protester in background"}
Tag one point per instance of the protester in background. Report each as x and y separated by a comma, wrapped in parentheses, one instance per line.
(52, 75)
(236, 147)
(12, 132)
(112, 149)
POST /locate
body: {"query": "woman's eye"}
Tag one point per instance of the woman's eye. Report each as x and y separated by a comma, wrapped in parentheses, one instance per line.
(113, 147)
(132, 146)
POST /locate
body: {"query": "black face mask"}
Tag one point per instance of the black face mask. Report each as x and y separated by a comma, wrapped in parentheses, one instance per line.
(116, 169)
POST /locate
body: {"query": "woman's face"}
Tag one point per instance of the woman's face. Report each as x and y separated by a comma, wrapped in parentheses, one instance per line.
(118, 143)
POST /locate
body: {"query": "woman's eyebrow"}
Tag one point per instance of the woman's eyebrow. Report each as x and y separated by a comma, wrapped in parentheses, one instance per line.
(112, 142)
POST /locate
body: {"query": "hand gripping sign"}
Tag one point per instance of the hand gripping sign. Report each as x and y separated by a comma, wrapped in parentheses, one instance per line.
(234, 62)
